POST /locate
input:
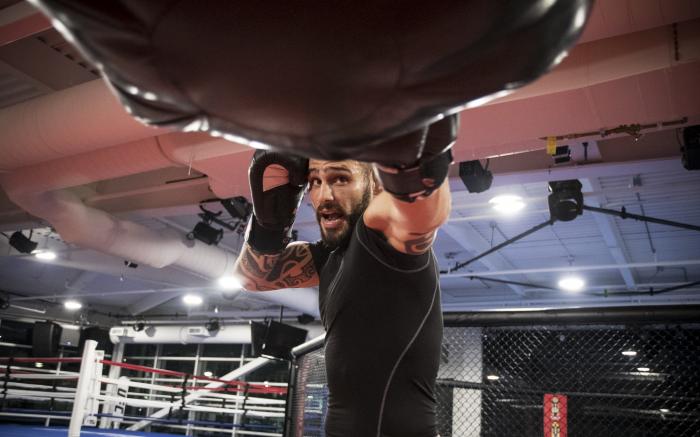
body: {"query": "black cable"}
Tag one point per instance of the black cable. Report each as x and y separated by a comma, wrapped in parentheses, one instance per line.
(503, 281)
(623, 214)
(502, 245)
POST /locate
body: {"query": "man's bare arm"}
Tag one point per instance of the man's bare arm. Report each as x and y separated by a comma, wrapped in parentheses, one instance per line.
(409, 227)
(291, 268)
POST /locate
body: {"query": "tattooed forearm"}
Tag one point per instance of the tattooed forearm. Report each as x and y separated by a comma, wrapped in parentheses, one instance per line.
(420, 244)
(292, 267)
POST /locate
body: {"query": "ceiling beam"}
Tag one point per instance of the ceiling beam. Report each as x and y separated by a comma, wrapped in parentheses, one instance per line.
(151, 301)
(467, 237)
(569, 269)
(610, 233)
(20, 21)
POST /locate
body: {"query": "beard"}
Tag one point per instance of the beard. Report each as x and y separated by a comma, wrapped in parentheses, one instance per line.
(333, 239)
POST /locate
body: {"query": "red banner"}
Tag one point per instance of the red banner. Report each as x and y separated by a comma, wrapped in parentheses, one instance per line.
(554, 415)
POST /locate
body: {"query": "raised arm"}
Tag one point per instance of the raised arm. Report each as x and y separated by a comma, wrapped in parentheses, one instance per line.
(268, 261)
(416, 201)
(291, 268)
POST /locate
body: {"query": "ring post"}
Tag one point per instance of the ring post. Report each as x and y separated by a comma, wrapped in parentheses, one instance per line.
(85, 385)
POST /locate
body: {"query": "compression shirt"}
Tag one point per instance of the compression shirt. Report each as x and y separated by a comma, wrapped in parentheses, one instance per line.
(381, 310)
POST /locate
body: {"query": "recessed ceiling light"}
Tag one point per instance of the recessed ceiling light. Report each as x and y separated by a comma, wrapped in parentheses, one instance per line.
(507, 203)
(192, 299)
(229, 283)
(46, 255)
(572, 283)
(643, 369)
(72, 305)
(492, 377)
(629, 353)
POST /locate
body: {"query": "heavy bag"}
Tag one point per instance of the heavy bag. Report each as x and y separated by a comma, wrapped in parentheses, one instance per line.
(323, 79)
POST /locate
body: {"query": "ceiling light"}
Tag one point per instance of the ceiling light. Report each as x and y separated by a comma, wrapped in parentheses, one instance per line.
(229, 283)
(192, 299)
(629, 353)
(492, 377)
(571, 283)
(45, 255)
(21, 243)
(643, 369)
(664, 410)
(208, 374)
(39, 365)
(507, 203)
(72, 305)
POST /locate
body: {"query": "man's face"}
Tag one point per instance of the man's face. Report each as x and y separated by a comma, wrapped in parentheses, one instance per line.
(340, 192)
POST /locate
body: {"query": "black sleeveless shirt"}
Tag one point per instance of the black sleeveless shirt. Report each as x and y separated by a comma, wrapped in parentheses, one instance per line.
(381, 310)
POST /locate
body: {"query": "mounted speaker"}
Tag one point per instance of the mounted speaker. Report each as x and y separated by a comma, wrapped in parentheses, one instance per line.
(274, 339)
(100, 335)
(45, 339)
(690, 150)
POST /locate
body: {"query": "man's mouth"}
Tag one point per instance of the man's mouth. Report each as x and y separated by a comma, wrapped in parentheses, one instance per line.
(332, 220)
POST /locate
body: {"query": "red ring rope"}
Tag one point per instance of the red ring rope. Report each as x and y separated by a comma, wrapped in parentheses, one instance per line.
(253, 388)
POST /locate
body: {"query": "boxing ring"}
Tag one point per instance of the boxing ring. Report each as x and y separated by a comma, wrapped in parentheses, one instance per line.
(98, 403)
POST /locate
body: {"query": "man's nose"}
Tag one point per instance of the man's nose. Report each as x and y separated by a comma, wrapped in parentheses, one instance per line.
(326, 191)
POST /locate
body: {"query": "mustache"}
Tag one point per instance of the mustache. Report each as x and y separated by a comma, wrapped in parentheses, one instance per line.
(329, 205)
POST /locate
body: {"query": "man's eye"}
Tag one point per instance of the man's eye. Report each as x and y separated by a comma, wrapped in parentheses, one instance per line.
(313, 182)
(341, 180)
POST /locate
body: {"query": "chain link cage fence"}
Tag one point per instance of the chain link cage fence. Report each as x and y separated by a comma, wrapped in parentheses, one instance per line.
(619, 372)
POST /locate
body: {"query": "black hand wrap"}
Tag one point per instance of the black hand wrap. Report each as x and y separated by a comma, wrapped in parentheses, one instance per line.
(429, 172)
(270, 227)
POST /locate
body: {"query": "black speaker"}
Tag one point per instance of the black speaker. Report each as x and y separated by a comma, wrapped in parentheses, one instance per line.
(690, 151)
(475, 177)
(100, 335)
(274, 339)
(45, 339)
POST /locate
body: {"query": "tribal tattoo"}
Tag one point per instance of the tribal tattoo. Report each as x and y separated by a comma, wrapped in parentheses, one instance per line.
(292, 267)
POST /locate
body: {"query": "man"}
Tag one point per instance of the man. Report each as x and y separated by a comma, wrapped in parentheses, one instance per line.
(378, 280)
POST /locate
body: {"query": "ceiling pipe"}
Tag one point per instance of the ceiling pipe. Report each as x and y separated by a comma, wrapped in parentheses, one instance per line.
(683, 263)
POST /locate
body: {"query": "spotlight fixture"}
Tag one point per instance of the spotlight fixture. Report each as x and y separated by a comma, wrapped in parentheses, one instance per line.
(4, 303)
(39, 365)
(507, 203)
(213, 325)
(139, 326)
(72, 305)
(475, 177)
(629, 353)
(208, 374)
(643, 369)
(229, 283)
(571, 283)
(492, 377)
(22, 243)
(192, 299)
(206, 234)
(238, 207)
(45, 255)
(565, 200)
